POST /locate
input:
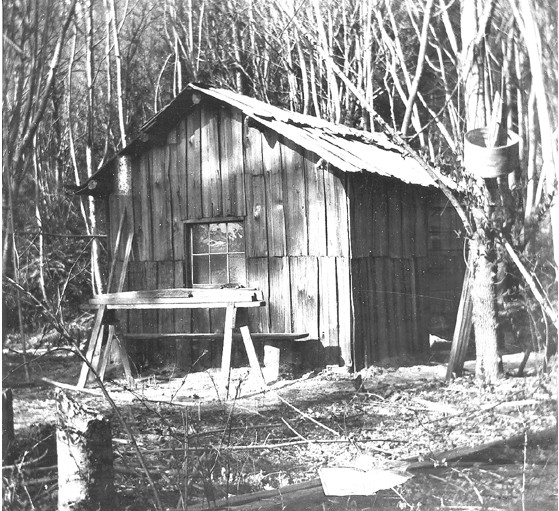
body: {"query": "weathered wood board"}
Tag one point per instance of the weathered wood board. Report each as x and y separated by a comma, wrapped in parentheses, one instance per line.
(295, 204)
(271, 157)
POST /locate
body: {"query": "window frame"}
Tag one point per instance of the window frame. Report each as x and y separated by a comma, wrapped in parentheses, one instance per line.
(188, 228)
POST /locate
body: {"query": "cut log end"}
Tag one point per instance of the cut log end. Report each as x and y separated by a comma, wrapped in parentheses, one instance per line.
(85, 457)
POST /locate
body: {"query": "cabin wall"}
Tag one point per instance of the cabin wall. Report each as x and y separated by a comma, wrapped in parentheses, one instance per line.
(298, 243)
(388, 264)
(215, 165)
(446, 264)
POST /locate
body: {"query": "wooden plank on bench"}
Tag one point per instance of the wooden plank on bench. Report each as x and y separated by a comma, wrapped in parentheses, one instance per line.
(180, 304)
(218, 336)
(181, 297)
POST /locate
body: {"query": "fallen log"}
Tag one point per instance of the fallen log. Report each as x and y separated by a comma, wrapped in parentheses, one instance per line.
(269, 499)
(436, 459)
(299, 496)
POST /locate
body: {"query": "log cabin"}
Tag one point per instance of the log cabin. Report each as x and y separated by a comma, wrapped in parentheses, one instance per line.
(333, 224)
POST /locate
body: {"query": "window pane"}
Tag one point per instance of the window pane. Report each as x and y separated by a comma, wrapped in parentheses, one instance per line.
(218, 268)
(237, 272)
(218, 238)
(200, 269)
(200, 239)
(235, 234)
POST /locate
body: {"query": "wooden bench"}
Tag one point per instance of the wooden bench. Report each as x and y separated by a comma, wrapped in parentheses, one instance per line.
(272, 344)
(231, 299)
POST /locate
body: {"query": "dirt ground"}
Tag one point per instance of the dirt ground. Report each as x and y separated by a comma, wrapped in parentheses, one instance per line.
(202, 448)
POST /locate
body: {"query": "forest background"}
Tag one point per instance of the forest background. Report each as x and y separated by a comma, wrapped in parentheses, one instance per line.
(81, 76)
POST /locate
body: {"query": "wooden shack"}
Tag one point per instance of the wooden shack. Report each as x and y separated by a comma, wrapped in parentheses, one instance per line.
(331, 223)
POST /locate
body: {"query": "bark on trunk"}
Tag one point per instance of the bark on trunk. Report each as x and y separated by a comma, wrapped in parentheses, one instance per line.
(7, 424)
(484, 312)
(85, 458)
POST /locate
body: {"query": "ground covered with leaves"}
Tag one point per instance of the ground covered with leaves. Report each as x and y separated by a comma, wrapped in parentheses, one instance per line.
(203, 448)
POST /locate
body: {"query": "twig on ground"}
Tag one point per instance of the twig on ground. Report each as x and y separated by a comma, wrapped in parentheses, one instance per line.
(67, 386)
(41, 480)
(32, 470)
(270, 446)
(296, 433)
(402, 498)
(24, 464)
(306, 415)
(469, 479)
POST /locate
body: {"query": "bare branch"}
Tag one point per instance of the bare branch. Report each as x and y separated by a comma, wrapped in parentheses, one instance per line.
(419, 68)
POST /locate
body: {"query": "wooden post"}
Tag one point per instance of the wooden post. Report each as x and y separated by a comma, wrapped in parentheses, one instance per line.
(462, 329)
(85, 458)
(251, 352)
(7, 423)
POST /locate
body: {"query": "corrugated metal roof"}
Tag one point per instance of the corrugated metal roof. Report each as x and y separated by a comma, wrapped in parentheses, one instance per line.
(346, 148)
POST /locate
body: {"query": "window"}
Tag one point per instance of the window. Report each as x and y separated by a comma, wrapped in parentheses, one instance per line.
(217, 253)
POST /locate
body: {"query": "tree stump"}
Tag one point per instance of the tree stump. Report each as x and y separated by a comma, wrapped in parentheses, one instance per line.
(85, 458)
(7, 424)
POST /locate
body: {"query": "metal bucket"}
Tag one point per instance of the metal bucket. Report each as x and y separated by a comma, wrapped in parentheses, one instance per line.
(490, 162)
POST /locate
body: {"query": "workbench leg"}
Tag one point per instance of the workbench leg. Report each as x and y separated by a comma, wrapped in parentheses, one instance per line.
(96, 360)
(230, 314)
(125, 360)
(251, 352)
(95, 341)
(111, 340)
(106, 355)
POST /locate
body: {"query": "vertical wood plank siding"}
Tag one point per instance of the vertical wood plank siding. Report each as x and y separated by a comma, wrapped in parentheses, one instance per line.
(145, 210)
(256, 226)
(271, 159)
(304, 295)
(339, 256)
(177, 180)
(280, 294)
(345, 338)
(212, 205)
(258, 277)
(316, 205)
(193, 165)
(295, 205)
(231, 158)
(160, 207)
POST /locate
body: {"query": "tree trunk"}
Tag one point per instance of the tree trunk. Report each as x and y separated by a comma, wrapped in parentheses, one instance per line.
(96, 280)
(118, 65)
(85, 458)
(7, 424)
(484, 311)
